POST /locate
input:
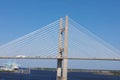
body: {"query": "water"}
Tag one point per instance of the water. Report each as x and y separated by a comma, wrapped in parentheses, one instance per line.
(51, 75)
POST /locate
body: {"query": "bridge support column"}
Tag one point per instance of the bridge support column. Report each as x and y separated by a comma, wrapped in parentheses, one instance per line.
(59, 57)
(65, 59)
(62, 60)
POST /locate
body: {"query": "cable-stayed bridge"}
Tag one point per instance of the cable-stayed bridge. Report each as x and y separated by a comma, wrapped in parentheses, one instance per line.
(62, 40)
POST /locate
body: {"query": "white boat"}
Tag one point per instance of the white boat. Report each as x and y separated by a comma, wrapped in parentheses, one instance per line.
(10, 67)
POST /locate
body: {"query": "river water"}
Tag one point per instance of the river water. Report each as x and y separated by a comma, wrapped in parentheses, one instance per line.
(51, 75)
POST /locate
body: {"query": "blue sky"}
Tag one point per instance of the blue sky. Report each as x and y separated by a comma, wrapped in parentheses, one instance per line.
(19, 17)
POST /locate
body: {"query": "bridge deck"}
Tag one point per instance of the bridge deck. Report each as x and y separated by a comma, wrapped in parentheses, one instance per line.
(31, 57)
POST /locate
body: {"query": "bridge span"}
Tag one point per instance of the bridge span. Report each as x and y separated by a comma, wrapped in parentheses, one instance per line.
(61, 40)
(55, 58)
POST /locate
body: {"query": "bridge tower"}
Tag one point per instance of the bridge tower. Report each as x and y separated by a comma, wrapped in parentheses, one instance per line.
(62, 58)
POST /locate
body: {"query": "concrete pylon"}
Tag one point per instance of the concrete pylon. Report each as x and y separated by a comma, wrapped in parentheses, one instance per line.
(65, 59)
(60, 52)
(62, 59)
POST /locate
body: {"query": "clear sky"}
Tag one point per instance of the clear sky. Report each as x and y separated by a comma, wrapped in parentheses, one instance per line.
(19, 17)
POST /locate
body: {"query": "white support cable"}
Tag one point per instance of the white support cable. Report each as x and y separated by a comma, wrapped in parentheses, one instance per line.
(43, 37)
(20, 40)
(74, 29)
(82, 51)
(79, 27)
(78, 45)
(49, 36)
(26, 42)
(28, 35)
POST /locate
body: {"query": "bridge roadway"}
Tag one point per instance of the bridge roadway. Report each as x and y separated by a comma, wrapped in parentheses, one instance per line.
(52, 58)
